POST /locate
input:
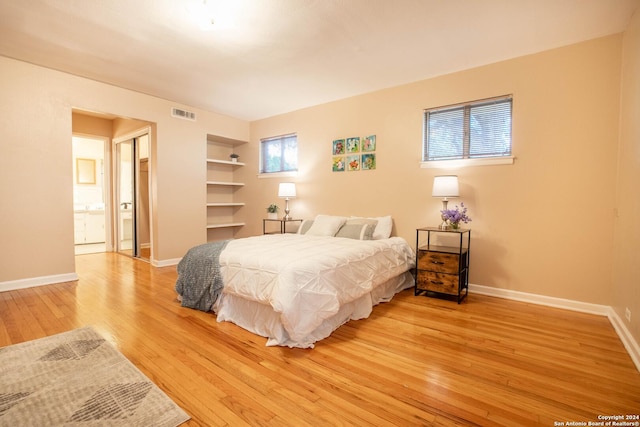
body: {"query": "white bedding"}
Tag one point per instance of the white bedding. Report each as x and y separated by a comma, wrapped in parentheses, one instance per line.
(296, 289)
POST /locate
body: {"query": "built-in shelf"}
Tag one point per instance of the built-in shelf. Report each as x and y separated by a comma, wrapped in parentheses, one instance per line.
(222, 205)
(239, 184)
(225, 162)
(222, 188)
(226, 225)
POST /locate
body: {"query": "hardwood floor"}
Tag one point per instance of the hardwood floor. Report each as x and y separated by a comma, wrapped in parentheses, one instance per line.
(415, 361)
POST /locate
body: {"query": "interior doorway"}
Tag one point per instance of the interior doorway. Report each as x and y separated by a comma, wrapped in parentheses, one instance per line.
(132, 204)
(90, 194)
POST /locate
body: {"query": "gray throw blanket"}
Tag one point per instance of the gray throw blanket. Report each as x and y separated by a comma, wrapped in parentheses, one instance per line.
(199, 280)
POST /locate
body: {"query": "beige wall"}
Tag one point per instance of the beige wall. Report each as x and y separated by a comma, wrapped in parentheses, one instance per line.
(92, 125)
(543, 225)
(36, 218)
(626, 267)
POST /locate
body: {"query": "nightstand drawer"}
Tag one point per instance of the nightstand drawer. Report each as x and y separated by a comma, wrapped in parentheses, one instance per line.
(439, 261)
(438, 282)
(442, 266)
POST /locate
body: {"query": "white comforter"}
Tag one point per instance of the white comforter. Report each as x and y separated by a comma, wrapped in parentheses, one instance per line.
(307, 279)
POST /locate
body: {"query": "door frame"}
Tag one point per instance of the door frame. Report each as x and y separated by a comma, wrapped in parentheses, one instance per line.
(146, 130)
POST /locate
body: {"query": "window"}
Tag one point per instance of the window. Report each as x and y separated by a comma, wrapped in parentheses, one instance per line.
(279, 154)
(473, 130)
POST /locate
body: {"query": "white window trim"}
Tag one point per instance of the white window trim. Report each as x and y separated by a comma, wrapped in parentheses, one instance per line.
(282, 174)
(463, 163)
(474, 161)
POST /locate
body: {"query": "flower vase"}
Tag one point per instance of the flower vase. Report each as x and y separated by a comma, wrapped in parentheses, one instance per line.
(272, 215)
(455, 225)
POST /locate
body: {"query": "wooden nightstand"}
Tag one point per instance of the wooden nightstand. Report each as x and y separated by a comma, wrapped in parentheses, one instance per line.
(283, 225)
(442, 262)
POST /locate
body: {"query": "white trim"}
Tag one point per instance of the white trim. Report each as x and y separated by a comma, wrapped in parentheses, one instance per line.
(134, 134)
(623, 333)
(629, 343)
(37, 281)
(462, 163)
(166, 262)
(584, 307)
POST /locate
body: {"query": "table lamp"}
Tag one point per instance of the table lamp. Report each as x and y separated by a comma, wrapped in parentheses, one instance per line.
(287, 190)
(445, 186)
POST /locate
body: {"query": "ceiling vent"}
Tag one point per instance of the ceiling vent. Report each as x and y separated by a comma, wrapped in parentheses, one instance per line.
(183, 114)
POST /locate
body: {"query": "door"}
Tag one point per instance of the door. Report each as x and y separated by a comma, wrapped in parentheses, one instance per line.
(132, 197)
(125, 185)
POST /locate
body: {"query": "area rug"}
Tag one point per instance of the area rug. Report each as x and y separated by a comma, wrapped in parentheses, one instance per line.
(78, 378)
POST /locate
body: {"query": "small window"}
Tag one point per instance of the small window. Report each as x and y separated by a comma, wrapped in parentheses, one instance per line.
(279, 154)
(468, 131)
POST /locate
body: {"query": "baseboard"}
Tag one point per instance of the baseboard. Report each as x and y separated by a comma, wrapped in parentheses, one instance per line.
(625, 336)
(37, 281)
(585, 307)
(166, 262)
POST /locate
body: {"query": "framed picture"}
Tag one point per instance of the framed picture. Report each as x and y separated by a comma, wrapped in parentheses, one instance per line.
(338, 164)
(368, 161)
(85, 171)
(338, 147)
(353, 163)
(369, 143)
(353, 145)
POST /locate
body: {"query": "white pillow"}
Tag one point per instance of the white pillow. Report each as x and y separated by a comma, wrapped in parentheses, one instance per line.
(326, 225)
(383, 228)
(359, 229)
(304, 227)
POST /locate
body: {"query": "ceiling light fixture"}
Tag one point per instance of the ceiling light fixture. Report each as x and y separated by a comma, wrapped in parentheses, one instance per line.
(202, 12)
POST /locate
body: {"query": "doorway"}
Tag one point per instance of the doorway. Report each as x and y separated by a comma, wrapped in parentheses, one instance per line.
(132, 204)
(90, 194)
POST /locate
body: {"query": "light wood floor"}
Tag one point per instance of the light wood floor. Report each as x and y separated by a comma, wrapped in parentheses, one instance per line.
(415, 361)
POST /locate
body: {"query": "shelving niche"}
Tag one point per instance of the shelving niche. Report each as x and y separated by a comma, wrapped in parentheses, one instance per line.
(222, 201)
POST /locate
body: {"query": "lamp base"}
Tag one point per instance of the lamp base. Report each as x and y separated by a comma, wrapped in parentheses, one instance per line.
(286, 216)
(444, 226)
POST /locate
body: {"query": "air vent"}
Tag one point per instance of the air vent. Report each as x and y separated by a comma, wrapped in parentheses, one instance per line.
(183, 114)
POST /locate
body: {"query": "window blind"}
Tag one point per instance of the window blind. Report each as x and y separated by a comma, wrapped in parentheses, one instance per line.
(471, 130)
(279, 154)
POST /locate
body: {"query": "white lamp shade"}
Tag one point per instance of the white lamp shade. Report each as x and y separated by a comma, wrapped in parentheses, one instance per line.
(445, 186)
(287, 189)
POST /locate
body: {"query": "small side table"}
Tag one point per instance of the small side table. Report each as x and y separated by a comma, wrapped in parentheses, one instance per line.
(443, 270)
(283, 225)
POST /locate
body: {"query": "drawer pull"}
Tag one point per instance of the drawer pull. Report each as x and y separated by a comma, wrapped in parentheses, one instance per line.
(437, 282)
(436, 262)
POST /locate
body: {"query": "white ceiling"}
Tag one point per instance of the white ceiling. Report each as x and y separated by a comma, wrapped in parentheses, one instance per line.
(266, 57)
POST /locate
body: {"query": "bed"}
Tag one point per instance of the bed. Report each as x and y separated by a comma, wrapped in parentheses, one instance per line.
(296, 289)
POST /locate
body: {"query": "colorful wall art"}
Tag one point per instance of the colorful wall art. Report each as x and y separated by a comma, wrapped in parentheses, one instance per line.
(354, 154)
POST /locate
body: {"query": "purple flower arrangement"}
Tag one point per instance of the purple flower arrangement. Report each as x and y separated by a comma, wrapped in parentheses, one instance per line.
(456, 216)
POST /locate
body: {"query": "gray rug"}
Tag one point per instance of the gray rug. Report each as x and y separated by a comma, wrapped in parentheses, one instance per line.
(78, 379)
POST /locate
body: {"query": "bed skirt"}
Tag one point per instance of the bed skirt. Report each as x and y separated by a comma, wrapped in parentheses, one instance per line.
(262, 320)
